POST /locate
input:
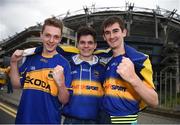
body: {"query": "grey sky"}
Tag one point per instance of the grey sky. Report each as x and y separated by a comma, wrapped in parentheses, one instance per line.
(15, 15)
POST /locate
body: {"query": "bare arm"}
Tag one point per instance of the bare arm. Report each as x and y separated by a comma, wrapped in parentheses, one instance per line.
(58, 76)
(14, 72)
(127, 72)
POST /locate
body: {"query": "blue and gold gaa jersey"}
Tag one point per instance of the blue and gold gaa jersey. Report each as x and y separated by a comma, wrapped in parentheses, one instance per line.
(120, 98)
(39, 102)
(87, 80)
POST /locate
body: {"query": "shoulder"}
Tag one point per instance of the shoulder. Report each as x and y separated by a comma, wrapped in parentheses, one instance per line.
(99, 64)
(104, 55)
(61, 58)
(100, 67)
(135, 55)
(67, 51)
(104, 60)
(28, 58)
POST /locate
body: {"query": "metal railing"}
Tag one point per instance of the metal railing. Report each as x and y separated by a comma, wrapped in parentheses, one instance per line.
(93, 9)
(167, 85)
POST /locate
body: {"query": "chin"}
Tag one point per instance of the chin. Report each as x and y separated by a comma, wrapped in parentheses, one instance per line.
(86, 55)
(50, 50)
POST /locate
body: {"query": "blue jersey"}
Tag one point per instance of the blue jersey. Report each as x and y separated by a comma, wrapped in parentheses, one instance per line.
(120, 98)
(87, 79)
(39, 102)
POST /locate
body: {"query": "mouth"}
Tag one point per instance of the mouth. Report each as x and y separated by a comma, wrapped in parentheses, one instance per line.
(113, 40)
(50, 45)
(86, 50)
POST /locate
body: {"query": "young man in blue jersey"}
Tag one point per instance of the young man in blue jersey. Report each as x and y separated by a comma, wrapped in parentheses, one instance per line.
(44, 78)
(87, 78)
(128, 84)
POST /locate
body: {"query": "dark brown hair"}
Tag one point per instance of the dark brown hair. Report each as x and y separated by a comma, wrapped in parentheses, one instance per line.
(110, 21)
(85, 30)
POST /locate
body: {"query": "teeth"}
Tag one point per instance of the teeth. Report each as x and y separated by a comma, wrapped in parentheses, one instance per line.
(113, 41)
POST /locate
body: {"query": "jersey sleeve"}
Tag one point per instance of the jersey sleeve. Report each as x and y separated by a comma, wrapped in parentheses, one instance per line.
(147, 73)
(22, 71)
(67, 74)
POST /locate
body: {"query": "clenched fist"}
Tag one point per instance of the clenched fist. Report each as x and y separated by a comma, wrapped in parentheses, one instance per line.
(17, 56)
(126, 70)
(58, 75)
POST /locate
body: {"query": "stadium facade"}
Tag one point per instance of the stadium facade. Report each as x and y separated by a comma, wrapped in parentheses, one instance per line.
(155, 32)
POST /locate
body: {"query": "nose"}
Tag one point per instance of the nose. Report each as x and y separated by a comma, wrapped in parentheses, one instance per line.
(111, 35)
(51, 39)
(86, 45)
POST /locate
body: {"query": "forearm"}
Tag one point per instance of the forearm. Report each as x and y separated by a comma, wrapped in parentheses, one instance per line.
(126, 70)
(58, 75)
(63, 94)
(149, 95)
(14, 76)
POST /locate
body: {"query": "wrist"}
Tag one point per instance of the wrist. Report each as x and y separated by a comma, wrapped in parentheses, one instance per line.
(13, 62)
(135, 81)
(61, 84)
(61, 87)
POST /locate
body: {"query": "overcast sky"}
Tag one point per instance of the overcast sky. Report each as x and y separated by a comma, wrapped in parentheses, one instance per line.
(15, 15)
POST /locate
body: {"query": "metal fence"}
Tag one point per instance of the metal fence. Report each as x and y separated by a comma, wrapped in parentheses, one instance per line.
(167, 85)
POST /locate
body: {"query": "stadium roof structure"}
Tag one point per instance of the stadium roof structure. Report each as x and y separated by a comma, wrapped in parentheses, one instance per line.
(155, 32)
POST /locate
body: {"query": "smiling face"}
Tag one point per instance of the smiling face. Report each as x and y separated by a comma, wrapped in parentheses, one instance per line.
(86, 46)
(114, 36)
(50, 36)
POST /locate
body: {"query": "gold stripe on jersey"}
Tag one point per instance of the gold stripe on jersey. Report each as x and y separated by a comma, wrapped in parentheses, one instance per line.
(86, 87)
(146, 72)
(119, 88)
(41, 80)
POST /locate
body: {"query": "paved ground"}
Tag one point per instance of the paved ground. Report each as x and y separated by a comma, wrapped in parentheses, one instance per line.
(149, 116)
(11, 98)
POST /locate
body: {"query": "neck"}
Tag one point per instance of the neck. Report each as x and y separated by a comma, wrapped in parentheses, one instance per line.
(49, 53)
(89, 58)
(118, 50)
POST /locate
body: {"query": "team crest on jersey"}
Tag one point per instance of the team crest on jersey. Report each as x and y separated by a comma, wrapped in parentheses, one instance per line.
(96, 73)
(50, 76)
(74, 72)
(114, 64)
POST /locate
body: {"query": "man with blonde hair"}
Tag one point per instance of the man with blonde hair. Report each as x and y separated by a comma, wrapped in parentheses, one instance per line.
(44, 78)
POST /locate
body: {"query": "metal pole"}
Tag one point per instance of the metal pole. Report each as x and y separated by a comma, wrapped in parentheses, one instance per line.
(160, 93)
(165, 90)
(177, 77)
(171, 91)
(156, 25)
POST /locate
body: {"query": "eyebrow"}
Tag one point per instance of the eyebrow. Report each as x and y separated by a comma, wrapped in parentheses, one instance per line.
(116, 29)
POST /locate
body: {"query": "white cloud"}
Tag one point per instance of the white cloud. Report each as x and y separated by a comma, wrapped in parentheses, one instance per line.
(19, 14)
(3, 30)
(170, 4)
